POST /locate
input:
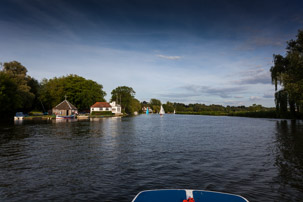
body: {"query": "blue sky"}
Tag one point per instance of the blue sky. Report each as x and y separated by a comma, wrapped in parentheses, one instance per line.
(211, 52)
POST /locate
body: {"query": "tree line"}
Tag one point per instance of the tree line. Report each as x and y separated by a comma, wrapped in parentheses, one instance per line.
(21, 92)
(198, 108)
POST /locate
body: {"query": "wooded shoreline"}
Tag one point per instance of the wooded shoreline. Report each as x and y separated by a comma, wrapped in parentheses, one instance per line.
(261, 114)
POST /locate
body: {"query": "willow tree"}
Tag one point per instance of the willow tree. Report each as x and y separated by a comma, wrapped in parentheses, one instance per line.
(288, 73)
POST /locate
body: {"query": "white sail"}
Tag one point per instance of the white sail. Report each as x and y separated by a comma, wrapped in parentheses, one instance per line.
(161, 111)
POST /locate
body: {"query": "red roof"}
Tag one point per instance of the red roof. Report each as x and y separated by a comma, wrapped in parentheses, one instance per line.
(101, 105)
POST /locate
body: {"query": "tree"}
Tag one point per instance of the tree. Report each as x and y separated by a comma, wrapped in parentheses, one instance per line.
(124, 95)
(24, 96)
(155, 105)
(169, 107)
(288, 72)
(136, 105)
(79, 91)
(8, 88)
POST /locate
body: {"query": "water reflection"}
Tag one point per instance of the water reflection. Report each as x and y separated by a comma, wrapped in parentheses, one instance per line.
(72, 160)
(289, 155)
(18, 122)
(63, 120)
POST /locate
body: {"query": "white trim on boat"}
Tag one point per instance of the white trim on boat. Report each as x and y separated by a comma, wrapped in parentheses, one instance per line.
(189, 193)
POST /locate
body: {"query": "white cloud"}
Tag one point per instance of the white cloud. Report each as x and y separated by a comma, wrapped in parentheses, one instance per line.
(269, 95)
(169, 57)
(257, 76)
(233, 103)
(254, 98)
(199, 90)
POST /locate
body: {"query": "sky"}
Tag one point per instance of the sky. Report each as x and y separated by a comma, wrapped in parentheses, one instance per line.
(188, 51)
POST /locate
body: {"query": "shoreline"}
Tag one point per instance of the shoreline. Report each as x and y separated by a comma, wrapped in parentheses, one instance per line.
(260, 114)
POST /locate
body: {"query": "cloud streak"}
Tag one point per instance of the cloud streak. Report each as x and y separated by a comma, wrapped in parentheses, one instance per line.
(268, 95)
(258, 76)
(196, 91)
(254, 98)
(169, 57)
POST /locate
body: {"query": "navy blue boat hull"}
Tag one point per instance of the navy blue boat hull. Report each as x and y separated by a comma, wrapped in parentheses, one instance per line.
(180, 195)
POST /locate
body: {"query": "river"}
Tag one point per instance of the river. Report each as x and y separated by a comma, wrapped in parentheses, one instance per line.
(112, 159)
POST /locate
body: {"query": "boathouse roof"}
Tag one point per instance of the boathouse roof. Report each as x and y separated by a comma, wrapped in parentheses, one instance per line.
(101, 105)
(65, 105)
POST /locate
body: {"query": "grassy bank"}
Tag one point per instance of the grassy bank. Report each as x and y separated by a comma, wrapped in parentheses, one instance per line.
(211, 113)
(259, 114)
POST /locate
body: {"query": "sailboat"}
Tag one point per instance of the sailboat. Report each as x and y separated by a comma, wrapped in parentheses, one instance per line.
(147, 111)
(161, 111)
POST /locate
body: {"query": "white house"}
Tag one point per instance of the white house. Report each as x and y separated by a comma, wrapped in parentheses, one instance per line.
(100, 107)
(105, 106)
(116, 109)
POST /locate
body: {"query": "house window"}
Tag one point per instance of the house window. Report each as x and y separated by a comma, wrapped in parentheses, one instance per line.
(100, 109)
(92, 109)
(107, 109)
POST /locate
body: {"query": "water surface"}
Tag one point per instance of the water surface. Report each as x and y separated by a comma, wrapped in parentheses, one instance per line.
(113, 159)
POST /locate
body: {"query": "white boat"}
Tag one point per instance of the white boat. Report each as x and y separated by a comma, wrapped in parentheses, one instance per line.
(19, 116)
(65, 117)
(161, 111)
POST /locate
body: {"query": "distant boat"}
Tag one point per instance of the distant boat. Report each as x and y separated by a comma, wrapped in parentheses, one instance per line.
(174, 111)
(19, 116)
(186, 195)
(147, 111)
(161, 111)
(65, 117)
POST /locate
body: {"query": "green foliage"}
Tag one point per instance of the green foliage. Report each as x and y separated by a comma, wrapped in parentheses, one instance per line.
(155, 105)
(79, 91)
(125, 96)
(8, 96)
(288, 72)
(18, 86)
(155, 102)
(18, 72)
(219, 110)
(136, 105)
(34, 89)
(169, 107)
(100, 113)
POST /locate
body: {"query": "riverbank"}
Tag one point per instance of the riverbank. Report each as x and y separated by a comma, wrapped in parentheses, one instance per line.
(50, 117)
(259, 114)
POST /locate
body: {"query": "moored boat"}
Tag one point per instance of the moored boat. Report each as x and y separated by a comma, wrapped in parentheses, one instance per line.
(65, 117)
(186, 195)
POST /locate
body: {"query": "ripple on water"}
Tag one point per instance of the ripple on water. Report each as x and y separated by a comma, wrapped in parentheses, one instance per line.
(112, 160)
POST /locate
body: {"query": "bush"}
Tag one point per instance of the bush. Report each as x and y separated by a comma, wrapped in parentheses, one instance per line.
(98, 113)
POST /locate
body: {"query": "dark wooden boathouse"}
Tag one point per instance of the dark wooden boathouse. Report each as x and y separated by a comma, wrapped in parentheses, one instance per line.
(65, 108)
